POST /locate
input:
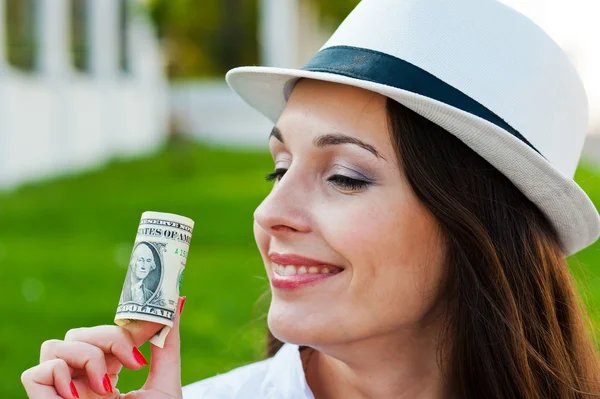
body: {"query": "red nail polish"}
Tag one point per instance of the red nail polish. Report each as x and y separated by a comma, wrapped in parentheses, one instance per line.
(107, 384)
(74, 391)
(181, 304)
(139, 357)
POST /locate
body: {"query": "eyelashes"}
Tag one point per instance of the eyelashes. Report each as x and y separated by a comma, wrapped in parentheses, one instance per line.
(276, 175)
(340, 181)
(348, 183)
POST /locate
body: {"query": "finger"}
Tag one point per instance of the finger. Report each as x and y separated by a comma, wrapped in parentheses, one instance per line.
(80, 355)
(111, 339)
(141, 330)
(49, 380)
(113, 367)
(165, 370)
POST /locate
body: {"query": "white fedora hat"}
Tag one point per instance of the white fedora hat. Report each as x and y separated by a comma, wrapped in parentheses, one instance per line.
(477, 68)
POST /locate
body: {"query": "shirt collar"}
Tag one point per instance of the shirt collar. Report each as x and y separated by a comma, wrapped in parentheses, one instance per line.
(285, 375)
(138, 284)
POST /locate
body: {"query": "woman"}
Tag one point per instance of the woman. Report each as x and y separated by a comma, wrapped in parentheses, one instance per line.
(415, 235)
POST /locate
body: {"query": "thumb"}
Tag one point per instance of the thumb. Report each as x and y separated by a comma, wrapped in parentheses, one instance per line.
(165, 365)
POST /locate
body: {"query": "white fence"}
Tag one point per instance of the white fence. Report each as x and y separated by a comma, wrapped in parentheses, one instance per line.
(56, 120)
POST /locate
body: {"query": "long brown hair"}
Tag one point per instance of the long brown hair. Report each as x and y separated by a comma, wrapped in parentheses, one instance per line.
(515, 326)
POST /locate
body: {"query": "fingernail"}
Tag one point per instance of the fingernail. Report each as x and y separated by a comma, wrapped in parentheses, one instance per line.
(107, 384)
(139, 357)
(74, 391)
(181, 304)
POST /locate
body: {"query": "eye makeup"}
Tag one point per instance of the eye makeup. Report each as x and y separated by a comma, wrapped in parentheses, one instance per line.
(344, 181)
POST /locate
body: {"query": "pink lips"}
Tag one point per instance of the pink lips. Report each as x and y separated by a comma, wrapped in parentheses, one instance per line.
(299, 280)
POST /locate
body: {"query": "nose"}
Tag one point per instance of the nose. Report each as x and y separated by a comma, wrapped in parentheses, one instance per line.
(286, 209)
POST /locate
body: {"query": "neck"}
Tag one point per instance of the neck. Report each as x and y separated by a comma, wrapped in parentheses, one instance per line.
(400, 366)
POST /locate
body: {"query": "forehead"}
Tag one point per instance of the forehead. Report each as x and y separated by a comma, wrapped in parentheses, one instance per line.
(317, 107)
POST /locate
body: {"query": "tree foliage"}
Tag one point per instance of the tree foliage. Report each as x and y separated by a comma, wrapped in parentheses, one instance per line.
(208, 38)
(334, 11)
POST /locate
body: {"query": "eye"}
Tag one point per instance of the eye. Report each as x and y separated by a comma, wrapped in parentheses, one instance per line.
(348, 183)
(341, 181)
(277, 174)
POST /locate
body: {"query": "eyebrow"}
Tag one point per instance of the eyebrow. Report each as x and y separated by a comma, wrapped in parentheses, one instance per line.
(332, 139)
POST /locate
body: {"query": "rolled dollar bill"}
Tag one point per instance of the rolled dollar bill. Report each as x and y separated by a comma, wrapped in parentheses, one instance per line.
(153, 280)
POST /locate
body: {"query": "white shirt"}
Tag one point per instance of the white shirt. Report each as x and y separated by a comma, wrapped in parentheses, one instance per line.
(280, 377)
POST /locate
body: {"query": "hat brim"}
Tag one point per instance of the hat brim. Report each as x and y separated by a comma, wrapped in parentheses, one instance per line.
(563, 202)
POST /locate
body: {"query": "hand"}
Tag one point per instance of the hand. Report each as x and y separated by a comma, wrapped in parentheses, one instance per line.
(78, 366)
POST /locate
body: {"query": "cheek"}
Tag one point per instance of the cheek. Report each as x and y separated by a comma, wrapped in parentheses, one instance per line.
(395, 232)
(395, 253)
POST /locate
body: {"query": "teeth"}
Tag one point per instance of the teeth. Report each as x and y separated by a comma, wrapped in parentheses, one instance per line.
(291, 270)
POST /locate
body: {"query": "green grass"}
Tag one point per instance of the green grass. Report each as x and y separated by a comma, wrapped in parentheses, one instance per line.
(585, 265)
(64, 245)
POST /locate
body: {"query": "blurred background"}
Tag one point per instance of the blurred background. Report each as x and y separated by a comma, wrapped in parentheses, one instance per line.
(109, 108)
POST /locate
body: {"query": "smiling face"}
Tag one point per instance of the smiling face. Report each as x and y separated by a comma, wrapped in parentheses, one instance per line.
(340, 199)
(143, 261)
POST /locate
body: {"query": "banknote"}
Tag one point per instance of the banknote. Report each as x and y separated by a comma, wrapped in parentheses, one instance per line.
(155, 272)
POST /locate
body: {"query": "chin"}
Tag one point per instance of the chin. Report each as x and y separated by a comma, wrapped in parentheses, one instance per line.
(296, 328)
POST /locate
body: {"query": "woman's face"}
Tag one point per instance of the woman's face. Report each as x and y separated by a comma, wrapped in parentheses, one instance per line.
(383, 248)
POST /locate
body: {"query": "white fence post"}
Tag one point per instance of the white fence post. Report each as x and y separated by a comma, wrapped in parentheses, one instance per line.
(4, 151)
(279, 32)
(54, 51)
(103, 16)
